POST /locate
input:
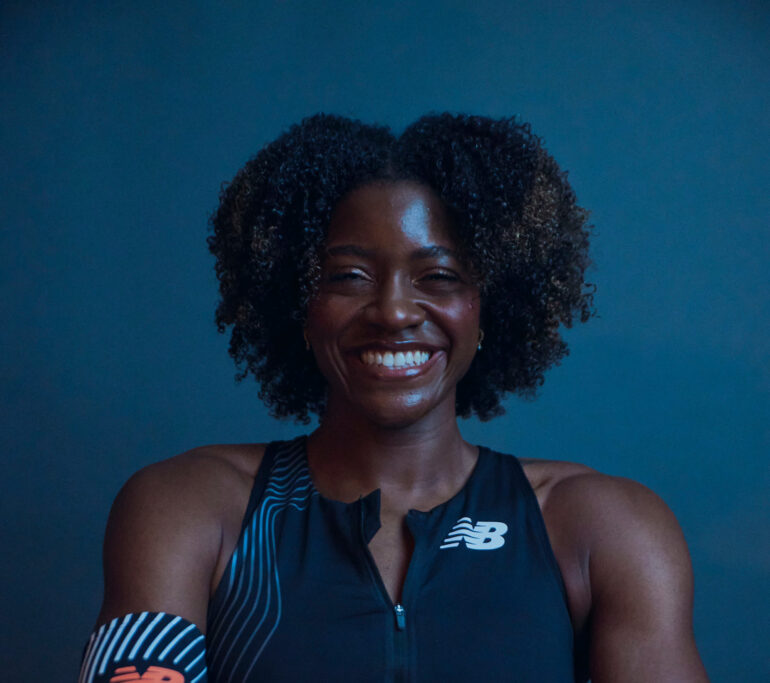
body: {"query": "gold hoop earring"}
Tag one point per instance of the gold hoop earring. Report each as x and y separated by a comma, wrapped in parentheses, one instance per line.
(481, 339)
(307, 342)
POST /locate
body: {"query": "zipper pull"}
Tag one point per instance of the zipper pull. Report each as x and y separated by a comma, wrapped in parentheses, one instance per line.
(400, 617)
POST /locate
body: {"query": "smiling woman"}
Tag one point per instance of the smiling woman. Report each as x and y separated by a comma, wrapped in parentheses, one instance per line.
(515, 224)
(395, 323)
(391, 284)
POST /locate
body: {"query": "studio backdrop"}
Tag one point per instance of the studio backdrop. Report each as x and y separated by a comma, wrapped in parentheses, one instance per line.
(120, 121)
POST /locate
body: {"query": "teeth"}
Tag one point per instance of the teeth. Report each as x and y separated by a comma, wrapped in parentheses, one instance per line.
(395, 360)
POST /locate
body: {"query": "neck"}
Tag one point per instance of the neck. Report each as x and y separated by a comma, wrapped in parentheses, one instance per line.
(420, 464)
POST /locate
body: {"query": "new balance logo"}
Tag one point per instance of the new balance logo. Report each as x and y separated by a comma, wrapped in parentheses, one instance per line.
(154, 674)
(482, 536)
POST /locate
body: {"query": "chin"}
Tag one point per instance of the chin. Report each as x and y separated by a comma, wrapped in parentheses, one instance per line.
(398, 412)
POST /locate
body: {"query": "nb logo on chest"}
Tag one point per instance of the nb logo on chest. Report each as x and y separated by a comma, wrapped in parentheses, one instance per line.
(479, 536)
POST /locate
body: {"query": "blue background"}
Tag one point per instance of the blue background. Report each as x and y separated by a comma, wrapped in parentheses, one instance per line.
(121, 119)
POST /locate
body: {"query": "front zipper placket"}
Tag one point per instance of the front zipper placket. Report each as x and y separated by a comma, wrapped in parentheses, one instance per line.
(400, 633)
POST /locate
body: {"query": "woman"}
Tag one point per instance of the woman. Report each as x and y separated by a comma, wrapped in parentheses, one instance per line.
(389, 285)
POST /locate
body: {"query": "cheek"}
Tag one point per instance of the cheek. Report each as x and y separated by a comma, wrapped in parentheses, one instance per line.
(323, 318)
(465, 314)
(460, 321)
(327, 318)
(320, 331)
(474, 309)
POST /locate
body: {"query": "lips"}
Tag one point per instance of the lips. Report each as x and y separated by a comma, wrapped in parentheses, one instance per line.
(395, 359)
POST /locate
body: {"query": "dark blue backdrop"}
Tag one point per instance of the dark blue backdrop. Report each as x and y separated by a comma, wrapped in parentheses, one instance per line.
(121, 119)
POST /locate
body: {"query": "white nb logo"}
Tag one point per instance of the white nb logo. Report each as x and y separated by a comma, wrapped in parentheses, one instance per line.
(482, 536)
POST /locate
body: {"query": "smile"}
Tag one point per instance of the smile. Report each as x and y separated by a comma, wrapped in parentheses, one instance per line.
(397, 360)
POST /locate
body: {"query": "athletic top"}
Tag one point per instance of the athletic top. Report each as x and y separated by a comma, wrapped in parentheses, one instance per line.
(302, 600)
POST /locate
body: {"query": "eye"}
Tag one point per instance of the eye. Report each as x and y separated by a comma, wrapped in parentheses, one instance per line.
(346, 280)
(440, 281)
(442, 275)
(342, 277)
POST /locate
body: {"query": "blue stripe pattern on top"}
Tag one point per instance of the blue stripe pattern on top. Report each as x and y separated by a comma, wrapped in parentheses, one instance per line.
(251, 609)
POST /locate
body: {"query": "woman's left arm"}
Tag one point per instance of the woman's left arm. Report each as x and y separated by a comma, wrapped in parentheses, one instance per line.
(641, 588)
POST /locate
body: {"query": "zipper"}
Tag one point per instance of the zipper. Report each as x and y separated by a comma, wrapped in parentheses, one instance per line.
(400, 617)
(399, 663)
(400, 645)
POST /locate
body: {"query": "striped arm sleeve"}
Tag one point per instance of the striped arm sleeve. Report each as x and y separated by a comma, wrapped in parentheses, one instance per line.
(149, 647)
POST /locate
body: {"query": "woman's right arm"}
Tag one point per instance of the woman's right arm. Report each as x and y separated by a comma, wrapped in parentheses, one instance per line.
(161, 549)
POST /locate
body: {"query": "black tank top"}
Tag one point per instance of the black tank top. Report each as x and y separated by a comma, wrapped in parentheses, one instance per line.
(302, 600)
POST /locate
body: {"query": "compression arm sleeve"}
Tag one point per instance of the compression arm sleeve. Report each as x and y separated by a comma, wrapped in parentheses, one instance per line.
(148, 647)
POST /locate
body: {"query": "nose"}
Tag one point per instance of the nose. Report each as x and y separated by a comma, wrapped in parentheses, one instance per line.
(395, 307)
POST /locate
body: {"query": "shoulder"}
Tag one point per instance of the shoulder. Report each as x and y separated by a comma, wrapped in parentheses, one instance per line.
(598, 504)
(599, 524)
(182, 472)
(609, 514)
(631, 539)
(189, 489)
(627, 570)
(609, 519)
(168, 527)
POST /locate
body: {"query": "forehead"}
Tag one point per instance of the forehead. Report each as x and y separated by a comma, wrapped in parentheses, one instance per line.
(387, 211)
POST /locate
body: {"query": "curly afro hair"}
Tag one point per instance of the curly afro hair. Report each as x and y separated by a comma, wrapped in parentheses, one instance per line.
(516, 218)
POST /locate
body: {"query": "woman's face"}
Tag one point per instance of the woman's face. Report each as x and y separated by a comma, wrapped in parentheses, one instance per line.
(395, 324)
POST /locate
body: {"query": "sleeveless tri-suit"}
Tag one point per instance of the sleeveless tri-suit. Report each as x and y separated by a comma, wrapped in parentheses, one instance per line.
(302, 600)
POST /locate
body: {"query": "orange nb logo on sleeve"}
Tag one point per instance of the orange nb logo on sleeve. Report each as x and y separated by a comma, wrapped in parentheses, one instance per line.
(154, 674)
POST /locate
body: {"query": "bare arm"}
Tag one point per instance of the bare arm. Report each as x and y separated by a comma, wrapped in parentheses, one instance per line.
(161, 543)
(169, 536)
(641, 588)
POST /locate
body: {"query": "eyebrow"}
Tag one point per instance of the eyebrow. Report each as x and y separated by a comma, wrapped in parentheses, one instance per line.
(431, 251)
